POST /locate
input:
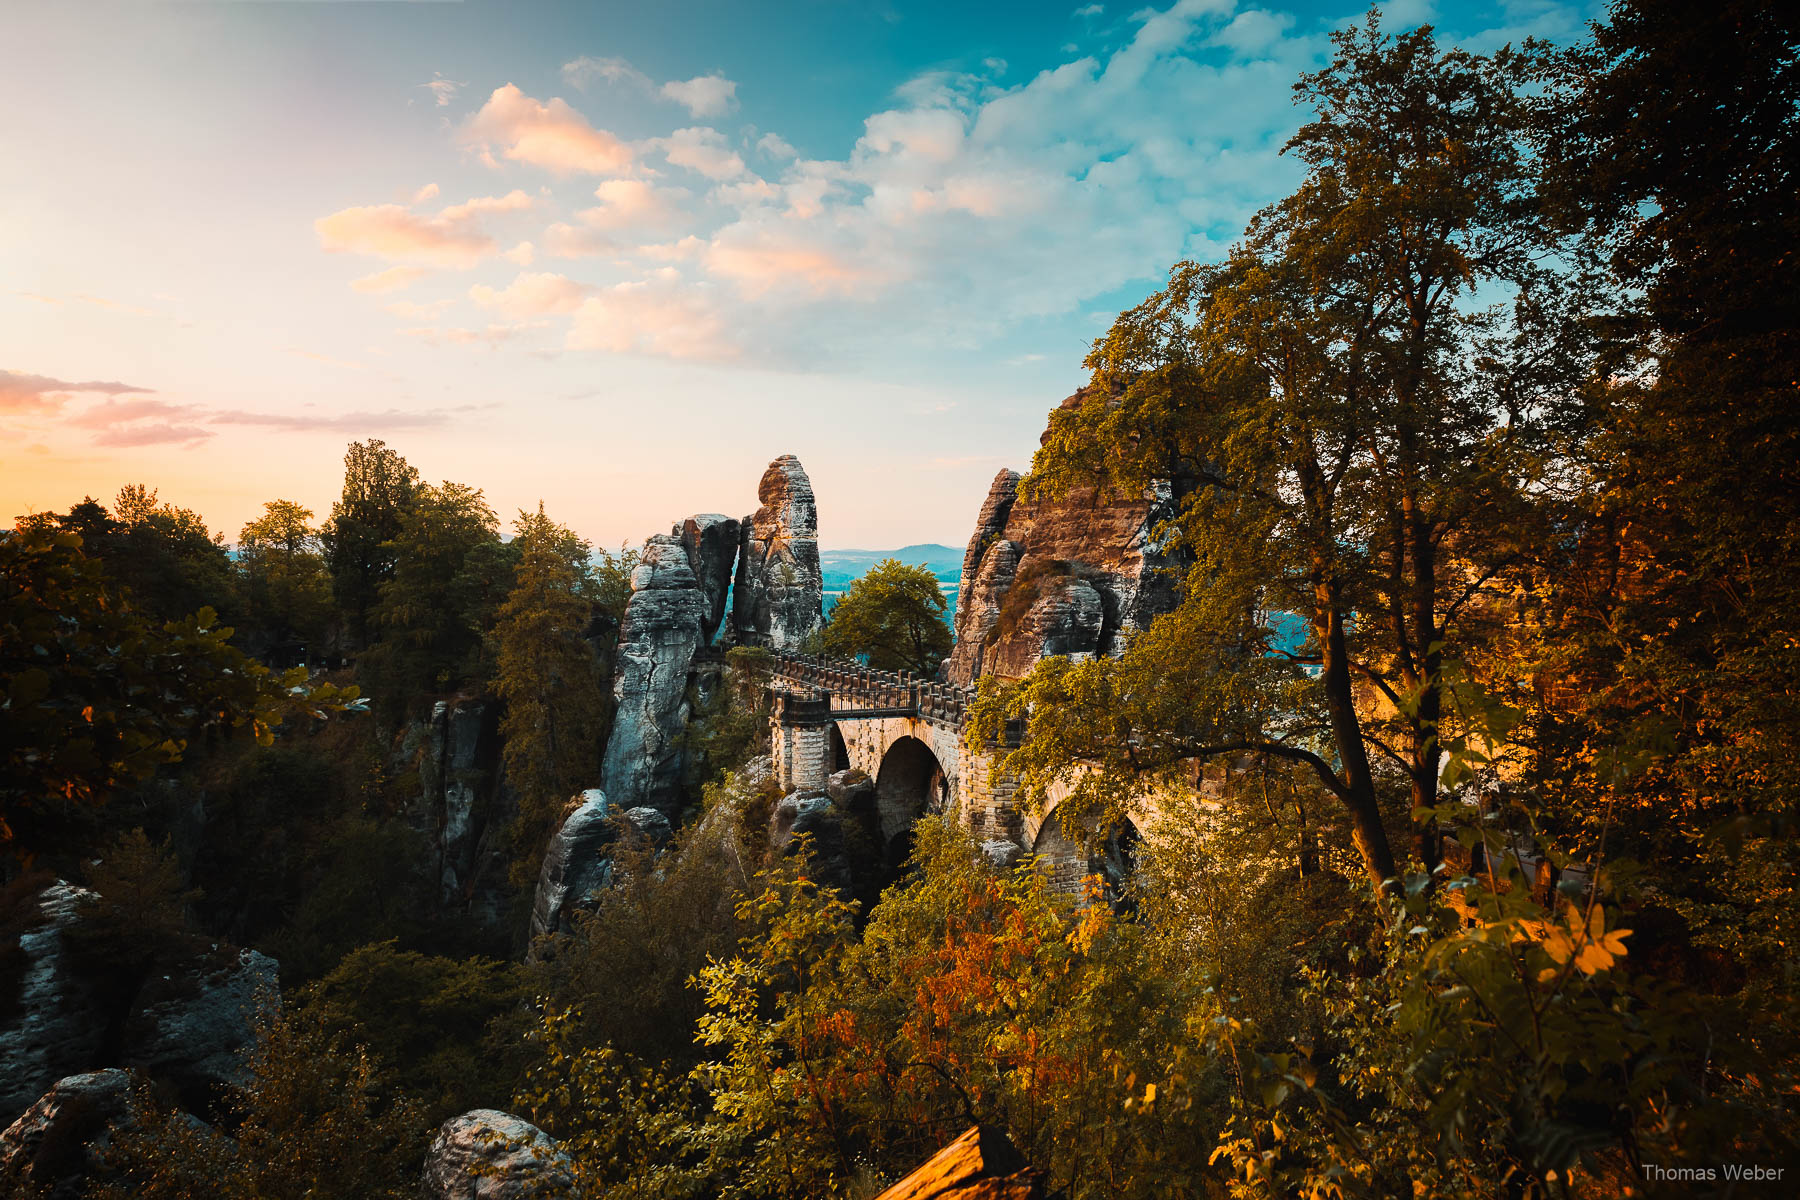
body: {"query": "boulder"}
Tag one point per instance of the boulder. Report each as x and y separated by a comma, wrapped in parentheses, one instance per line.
(57, 1016)
(813, 815)
(572, 862)
(1002, 853)
(980, 1165)
(850, 789)
(711, 542)
(490, 1155)
(662, 632)
(58, 1144)
(778, 599)
(1108, 542)
(978, 610)
(578, 862)
(190, 1024)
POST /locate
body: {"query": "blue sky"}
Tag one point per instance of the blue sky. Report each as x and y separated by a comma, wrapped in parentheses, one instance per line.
(615, 257)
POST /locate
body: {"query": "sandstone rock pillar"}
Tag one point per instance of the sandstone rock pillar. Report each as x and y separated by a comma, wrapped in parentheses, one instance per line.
(778, 600)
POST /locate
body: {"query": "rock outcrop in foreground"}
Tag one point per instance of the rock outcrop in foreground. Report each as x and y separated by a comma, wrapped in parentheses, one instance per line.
(980, 1165)
(489, 1155)
(184, 1023)
(779, 598)
(1076, 575)
(59, 1143)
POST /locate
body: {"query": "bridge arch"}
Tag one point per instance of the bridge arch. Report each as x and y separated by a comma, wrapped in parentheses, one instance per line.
(1068, 855)
(839, 750)
(909, 783)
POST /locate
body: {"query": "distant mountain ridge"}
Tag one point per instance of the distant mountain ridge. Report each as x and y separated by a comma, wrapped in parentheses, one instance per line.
(841, 568)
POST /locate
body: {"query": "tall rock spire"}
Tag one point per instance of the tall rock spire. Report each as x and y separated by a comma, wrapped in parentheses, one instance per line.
(778, 600)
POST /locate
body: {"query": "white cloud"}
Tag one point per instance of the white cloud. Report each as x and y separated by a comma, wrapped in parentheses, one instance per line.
(652, 316)
(776, 146)
(452, 238)
(704, 95)
(581, 73)
(1254, 30)
(634, 204)
(704, 150)
(546, 134)
(532, 295)
(522, 254)
(444, 90)
(428, 192)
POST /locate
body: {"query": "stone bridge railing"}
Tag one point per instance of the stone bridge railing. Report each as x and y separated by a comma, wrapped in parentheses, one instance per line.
(854, 689)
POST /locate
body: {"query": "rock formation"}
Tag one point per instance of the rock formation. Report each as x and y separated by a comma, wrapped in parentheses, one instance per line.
(1073, 575)
(662, 632)
(490, 1155)
(988, 526)
(189, 1025)
(578, 861)
(778, 600)
(711, 542)
(58, 1144)
(980, 1165)
(184, 1021)
(463, 797)
(57, 1016)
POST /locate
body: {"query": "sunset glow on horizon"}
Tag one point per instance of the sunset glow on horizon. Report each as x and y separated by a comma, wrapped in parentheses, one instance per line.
(612, 258)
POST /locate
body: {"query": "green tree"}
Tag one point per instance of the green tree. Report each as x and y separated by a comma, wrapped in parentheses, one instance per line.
(286, 585)
(450, 573)
(546, 673)
(172, 565)
(1363, 442)
(314, 1123)
(97, 697)
(895, 615)
(379, 488)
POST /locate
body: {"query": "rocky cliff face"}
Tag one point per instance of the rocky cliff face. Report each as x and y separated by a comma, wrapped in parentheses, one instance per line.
(664, 629)
(68, 1005)
(779, 597)
(711, 542)
(1075, 575)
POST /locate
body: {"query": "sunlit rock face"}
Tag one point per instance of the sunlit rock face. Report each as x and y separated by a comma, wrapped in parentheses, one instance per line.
(664, 628)
(490, 1155)
(778, 600)
(1073, 575)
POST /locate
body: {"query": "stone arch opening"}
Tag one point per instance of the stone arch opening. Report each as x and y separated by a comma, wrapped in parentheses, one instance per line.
(910, 783)
(1068, 856)
(839, 750)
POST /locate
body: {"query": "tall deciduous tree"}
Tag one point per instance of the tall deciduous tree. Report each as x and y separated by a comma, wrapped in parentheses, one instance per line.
(450, 573)
(379, 488)
(547, 674)
(287, 588)
(1364, 402)
(895, 615)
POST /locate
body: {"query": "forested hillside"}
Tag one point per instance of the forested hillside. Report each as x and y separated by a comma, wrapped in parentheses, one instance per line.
(1471, 736)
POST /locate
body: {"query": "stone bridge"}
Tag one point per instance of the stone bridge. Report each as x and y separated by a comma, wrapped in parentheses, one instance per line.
(907, 734)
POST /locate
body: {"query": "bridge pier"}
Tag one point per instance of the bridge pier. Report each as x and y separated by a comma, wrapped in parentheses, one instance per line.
(800, 739)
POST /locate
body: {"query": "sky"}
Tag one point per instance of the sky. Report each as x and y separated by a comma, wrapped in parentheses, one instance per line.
(614, 257)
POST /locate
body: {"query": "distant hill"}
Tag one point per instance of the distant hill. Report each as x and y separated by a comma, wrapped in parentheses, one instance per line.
(841, 568)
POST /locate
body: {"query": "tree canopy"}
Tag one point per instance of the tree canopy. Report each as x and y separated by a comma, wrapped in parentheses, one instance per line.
(894, 615)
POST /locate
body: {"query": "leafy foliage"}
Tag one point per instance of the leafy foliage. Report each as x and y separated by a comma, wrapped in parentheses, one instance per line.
(97, 698)
(557, 712)
(894, 615)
